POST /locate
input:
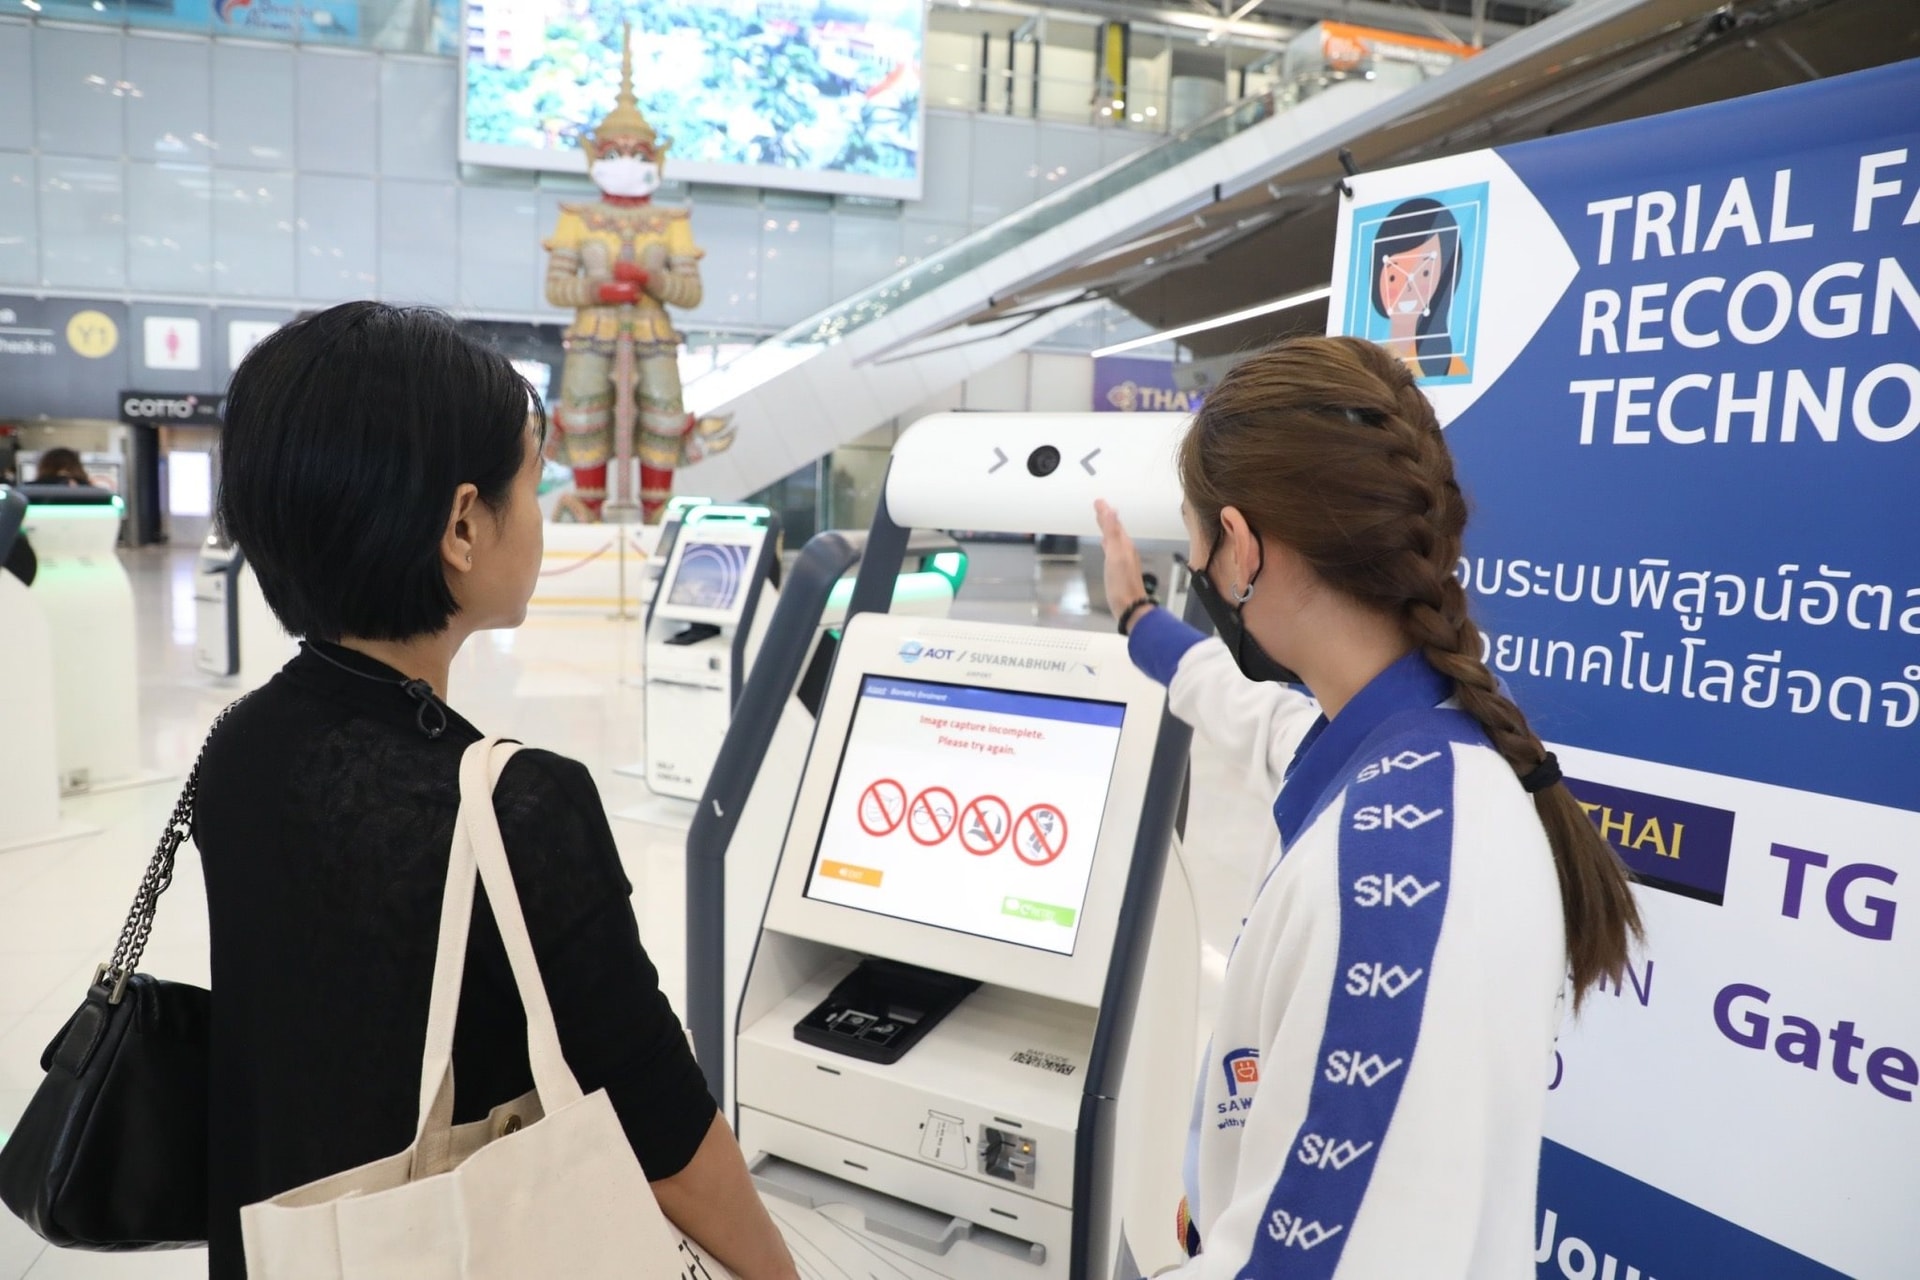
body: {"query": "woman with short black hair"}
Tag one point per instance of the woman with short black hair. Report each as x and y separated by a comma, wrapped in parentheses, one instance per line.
(381, 472)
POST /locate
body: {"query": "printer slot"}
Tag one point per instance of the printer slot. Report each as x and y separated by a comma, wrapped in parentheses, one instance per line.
(888, 1216)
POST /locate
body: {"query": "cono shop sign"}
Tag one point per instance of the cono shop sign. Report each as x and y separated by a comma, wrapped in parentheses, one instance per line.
(148, 407)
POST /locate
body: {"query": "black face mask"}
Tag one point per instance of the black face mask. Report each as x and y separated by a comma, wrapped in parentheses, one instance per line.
(1247, 654)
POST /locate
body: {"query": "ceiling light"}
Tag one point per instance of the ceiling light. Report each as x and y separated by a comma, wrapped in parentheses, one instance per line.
(1232, 317)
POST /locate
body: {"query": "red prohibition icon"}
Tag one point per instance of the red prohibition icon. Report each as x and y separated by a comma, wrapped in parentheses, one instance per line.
(882, 808)
(932, 815)
(1040, 835)
(984, 825)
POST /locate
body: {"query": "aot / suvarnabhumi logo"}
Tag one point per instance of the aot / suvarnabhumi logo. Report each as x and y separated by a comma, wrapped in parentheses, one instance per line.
(1414, 279)
(914, 651)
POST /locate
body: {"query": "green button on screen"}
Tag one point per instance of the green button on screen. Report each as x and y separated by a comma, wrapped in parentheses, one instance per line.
(1021, 909)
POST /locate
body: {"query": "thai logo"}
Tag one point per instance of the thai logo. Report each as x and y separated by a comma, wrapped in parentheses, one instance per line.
(1676, 845)
(1131, 397)
(911, 651)
(1414, 280)
(1243, 1071)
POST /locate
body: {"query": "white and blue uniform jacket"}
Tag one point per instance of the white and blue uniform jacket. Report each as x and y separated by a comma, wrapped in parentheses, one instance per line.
(1372, 1101)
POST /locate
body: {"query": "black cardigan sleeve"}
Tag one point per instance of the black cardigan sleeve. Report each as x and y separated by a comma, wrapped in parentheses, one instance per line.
(616, 1028)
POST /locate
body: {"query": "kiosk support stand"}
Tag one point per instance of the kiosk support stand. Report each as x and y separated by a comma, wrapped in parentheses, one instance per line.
(822, 563)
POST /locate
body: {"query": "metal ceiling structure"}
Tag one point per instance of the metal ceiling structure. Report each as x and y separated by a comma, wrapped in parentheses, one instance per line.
(1631, 58)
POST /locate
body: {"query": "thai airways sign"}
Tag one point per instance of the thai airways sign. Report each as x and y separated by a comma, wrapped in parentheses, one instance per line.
(1679, 364)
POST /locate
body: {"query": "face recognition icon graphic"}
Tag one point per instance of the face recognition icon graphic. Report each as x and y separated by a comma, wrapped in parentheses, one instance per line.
(1421, 264)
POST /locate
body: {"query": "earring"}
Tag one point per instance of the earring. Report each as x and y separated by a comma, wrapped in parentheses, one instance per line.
(1243, 594)
(469, 560)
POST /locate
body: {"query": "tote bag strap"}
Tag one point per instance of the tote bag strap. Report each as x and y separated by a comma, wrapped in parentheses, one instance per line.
(479, 852)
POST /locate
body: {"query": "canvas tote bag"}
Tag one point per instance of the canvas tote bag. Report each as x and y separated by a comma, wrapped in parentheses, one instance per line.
(545, 1186)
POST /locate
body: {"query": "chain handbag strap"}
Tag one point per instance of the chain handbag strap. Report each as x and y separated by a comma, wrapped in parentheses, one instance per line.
(159, 877)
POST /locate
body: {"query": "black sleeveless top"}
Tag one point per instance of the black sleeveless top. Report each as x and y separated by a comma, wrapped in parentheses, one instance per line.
(323, 821)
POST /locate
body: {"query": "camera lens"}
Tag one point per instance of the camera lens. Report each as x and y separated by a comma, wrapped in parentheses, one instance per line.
(1043, 461)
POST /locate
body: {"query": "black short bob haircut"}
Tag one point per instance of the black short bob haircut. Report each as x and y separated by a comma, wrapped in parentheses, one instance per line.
(346, 434)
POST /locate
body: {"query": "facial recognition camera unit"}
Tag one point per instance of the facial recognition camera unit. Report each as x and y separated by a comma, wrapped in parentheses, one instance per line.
(939, 1018)
(702, 632)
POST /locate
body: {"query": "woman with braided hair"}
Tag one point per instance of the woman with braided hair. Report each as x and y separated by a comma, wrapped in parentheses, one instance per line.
(1372, 1101)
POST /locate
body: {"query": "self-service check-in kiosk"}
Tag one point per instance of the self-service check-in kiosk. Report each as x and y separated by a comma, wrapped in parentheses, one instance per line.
(87, 599)
(235, 631)
(939, 1017)
(671, 521)
(29, 774)
(702, 631)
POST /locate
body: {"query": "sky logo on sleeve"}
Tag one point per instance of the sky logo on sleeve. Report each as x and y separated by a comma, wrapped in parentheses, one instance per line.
(1321, 1152)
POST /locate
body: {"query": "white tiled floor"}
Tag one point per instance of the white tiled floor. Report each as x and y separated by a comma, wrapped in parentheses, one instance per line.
(559, 681)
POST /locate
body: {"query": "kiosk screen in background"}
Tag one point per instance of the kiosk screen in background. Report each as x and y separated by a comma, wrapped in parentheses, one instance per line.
(710, 575)
(969, 809)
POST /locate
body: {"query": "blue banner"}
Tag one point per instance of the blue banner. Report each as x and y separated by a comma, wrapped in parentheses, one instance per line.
(1678, 364)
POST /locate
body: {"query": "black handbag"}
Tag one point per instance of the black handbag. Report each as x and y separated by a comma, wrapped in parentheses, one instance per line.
(111, 1153)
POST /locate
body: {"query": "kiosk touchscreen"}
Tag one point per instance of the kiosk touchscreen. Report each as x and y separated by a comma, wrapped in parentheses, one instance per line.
(953, 749)
(702, 631)
(923, 1010)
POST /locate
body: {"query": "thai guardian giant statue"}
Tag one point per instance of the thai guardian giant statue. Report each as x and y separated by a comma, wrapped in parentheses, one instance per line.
(621, 261)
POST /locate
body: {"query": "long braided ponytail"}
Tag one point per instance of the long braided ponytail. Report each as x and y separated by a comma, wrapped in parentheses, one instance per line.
(1328, 446)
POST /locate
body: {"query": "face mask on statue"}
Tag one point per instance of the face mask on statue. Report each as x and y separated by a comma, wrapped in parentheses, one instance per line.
(1228, 621)
(626, 176)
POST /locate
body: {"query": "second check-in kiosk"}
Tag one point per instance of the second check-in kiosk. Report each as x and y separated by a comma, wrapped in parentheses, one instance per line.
(702, 631)
(939, 1015)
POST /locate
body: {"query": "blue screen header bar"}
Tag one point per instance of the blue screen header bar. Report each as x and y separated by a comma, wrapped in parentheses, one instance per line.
(957, 697)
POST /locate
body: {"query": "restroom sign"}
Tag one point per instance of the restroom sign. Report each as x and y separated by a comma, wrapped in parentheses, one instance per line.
(172, 343)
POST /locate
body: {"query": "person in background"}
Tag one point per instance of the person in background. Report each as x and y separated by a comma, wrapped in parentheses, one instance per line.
(382, 473)
(1372, 1103)
(61, 466)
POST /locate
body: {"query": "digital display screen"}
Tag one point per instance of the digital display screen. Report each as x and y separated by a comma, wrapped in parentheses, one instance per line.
(970, 809)
(816, 95)
(710, 575)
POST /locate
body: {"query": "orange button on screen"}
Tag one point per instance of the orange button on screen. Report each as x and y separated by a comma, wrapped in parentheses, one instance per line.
(854, 875)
